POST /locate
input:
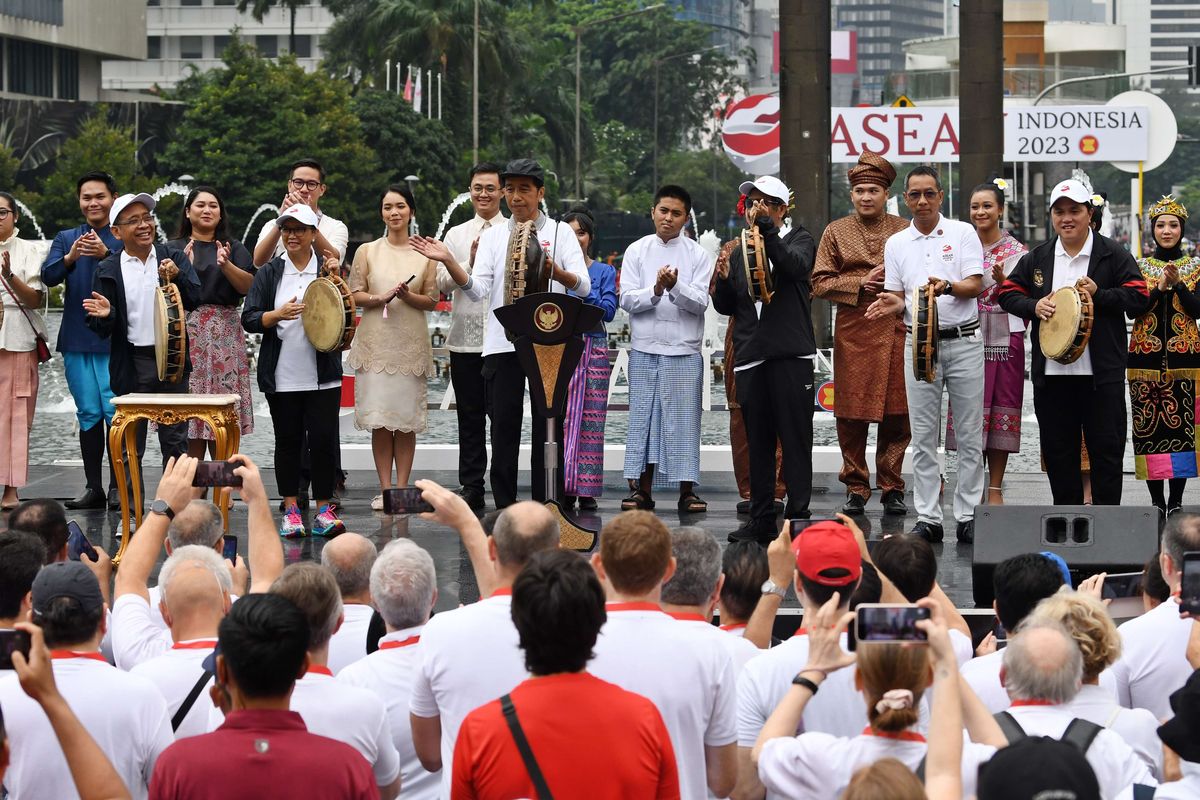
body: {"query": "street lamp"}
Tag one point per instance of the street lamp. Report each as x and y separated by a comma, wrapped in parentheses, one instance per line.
(656, 63)
(578, 60)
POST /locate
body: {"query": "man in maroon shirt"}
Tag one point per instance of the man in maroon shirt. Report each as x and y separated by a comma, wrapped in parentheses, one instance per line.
(263, 749)
(611, 744)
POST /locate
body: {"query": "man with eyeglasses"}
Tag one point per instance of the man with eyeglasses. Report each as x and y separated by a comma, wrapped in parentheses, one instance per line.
(71, 262)
(465, 338)
(305, 186)
(946, 254)
(121, 308)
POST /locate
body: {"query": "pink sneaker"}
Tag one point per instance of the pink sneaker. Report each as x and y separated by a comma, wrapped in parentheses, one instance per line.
(326, 522)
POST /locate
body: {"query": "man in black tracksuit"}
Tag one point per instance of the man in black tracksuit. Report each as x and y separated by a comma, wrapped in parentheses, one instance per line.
(774, 369)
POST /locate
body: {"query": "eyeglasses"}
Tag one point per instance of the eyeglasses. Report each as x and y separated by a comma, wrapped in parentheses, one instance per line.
(4, 213)
(291, 231)
(299, 184)
(928, 194)
(478, 189)
(136, 222)
(772, 202)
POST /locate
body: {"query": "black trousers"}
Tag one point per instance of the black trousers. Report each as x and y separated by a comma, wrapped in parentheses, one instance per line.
(470, 403)
(777, 406)
(504, 385)
(295, 415)
(1066, 407)
(172, 439)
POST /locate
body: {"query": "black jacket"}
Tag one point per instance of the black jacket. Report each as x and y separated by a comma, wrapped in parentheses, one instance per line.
(785, 328)
(109, 282)
(261, 299)
(1121, 291)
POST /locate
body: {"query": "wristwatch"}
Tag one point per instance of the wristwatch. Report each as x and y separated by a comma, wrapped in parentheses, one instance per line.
(162, 507)
(769, 587)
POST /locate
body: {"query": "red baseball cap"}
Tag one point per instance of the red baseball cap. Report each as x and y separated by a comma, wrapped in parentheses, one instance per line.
(827, 545)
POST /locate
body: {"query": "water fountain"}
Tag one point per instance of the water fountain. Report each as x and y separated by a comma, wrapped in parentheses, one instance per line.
(26, 213)
(455, 203)
(254, 216)
(161, 192)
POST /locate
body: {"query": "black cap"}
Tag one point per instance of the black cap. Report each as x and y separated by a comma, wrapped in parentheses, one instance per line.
(524, 168)
(66, 579)
(1181, 733)
(1037, 767)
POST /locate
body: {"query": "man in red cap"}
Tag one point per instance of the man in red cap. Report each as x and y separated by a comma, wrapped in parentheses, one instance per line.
(868, 354)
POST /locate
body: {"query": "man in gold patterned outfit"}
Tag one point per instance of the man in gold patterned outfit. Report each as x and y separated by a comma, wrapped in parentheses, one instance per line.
(868, 355)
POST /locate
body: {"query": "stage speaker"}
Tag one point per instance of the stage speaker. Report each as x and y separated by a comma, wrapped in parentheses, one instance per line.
(1090, 539)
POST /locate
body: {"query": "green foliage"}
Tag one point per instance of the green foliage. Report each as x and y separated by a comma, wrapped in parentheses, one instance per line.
(712, 180)
(247, 122)
(8, 167)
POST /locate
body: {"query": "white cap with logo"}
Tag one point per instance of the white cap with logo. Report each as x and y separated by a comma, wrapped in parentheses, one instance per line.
(126, 200)
(1072, 190)
(301, 213)
(768, 185)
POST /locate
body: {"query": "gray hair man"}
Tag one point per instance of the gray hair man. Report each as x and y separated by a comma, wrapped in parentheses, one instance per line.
(404, 589)
(349, 559)
(1043, 670)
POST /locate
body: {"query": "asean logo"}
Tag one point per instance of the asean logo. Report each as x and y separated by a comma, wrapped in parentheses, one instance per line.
(548, 317)
(1088, 145)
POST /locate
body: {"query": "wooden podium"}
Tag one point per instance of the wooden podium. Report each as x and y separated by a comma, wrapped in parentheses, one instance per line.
(548, 328)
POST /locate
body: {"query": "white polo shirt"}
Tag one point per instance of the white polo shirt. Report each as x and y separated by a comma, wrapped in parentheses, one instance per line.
(140, 279)
(349, 644)
(982, 674)
(951, 251)
(1137, 726)
(175, 673)
(688, 676)
(487, 279)
(740, 649)
(349, 714)
(1114, 762)
(1153, 661)
(1067, 270)
(817, 765)
(670, 324)
(469, 656)
(296, 370)
(124, 713)
(390, 672)
(136, 635)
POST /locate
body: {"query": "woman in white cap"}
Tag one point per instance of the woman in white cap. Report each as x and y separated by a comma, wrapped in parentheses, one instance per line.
(302, 385)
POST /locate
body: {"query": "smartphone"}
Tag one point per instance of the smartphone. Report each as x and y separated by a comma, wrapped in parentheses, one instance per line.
(798, 525)
(217, 473)
(12, 641)
(880, 622)
(78, 544)
(1122, 584)
(1189, 593)
(229, 548)
(404, 501)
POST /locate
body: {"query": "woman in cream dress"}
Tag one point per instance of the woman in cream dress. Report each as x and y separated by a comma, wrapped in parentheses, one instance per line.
(391, 355)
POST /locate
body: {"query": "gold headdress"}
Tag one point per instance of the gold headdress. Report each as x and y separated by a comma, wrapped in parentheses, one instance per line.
(1168, 205)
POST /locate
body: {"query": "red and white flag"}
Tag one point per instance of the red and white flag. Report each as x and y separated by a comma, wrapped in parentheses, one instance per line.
(408, 87)
(417, 94)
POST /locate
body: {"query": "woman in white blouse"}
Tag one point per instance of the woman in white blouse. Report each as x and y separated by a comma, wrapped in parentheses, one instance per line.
(22, 290)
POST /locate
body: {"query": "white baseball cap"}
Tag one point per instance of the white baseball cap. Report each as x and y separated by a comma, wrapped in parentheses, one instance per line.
(301, 213)
(1073, 190)
(126, 200)
(768, 185)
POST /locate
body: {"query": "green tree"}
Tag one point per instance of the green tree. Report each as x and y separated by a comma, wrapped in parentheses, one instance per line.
(260, 8)
(248, 121)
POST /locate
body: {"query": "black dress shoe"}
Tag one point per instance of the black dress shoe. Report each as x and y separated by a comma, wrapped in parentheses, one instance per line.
(474, 498)
(754, 532)
(855, 504)
(743, 508)
(965, 531)
(893, 502)
(114, 499)
(928, 531)
(587, 504)
(91, 498)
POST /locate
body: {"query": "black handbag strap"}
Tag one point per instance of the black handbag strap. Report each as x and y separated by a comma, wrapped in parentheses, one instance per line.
(190, 701)
(514, 726)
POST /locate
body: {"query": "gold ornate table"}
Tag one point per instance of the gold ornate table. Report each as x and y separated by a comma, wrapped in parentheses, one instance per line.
(218, 411)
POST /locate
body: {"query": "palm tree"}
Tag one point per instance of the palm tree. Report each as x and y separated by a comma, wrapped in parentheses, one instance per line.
(260, 8)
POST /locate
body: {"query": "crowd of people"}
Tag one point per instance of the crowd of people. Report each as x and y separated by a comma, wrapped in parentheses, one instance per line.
(570, 678)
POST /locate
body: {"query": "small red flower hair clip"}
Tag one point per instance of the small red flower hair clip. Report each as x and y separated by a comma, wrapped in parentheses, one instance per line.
(741, 205)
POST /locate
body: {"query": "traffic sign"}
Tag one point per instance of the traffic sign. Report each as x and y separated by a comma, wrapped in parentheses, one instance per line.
(903, 102)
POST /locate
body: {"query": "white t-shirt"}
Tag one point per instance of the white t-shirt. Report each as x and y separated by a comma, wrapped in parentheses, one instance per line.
(349, 644)
(1067, 270)
(469, 656)
(1186, 788)
(334, 231)
(1114, 762)
(174, 674)
(389, 672)
(688, 676)
(349, 714)
(136, 635)
(982, 674)
(671, 323)
(124, 713)
(1137, 726)
(140, 279)
(951, 251)
(296, 370)
(1153, 661)
(816, 766)
(740, 649)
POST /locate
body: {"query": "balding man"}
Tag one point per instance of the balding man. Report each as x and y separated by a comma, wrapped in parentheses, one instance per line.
(349, 559)
(194, 586)
(1043, 670)
(471, 654)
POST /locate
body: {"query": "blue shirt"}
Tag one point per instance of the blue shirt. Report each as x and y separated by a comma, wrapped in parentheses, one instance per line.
(604, 293)
(74, 336)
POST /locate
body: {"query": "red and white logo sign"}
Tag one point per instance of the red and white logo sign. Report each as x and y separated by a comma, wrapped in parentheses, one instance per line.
(947, 248)
(751, 134)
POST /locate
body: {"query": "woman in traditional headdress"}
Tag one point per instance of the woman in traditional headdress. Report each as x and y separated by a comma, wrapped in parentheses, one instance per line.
(1164, 360)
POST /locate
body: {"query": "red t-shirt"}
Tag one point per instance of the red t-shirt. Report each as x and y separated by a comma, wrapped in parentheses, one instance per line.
(257, 754)
(591, 739)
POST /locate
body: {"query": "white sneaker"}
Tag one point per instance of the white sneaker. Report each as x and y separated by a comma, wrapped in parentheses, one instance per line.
(377, 503)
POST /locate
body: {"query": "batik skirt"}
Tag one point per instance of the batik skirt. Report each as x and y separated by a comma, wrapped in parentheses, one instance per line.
(583, 425)
(217, 348)
(1164, 427)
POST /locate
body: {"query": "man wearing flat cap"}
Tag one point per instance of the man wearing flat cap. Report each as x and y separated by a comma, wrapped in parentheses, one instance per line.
(868, 354)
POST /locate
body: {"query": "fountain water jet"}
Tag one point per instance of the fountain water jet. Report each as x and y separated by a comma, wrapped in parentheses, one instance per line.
(254, 216)
(455, 203)
(25, 212)
(159, 194)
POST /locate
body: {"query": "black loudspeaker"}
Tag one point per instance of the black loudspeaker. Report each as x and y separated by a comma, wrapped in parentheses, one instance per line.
(1090, 539)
